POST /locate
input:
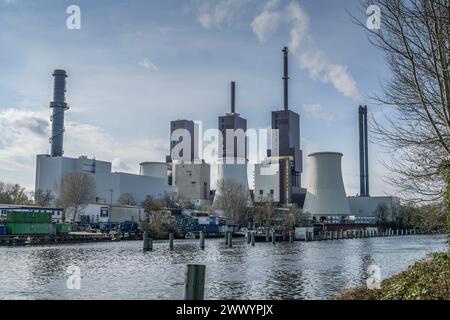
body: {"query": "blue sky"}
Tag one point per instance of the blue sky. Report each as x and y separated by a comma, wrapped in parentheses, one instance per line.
(136, 65)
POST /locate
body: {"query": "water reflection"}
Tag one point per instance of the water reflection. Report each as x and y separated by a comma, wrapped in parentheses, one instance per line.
(314, 270)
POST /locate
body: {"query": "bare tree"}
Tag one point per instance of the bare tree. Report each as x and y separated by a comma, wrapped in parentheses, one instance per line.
(127, 199)
(76, 190)
(415, 36)
(232, 198)
(43, 198)
(295, 217)
(264, 211)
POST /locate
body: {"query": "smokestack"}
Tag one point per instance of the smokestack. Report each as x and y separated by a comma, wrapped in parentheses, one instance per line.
(233, 97)
(363, 152)
(59, 106)
(286, 77)
(366, 152)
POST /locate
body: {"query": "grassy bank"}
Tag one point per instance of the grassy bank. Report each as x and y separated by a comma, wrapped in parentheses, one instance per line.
(425, 280)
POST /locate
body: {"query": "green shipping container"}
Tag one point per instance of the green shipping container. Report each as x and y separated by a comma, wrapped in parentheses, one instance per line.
(63, 228)
(29, 228)
(28, 217)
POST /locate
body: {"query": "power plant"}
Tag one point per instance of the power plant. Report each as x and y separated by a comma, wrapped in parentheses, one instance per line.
(277, 178)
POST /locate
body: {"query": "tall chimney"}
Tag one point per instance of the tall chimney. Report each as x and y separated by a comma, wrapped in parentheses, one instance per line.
(286, 78)
(366, 152)
(233, 97)
(363, 152)
(59, 106)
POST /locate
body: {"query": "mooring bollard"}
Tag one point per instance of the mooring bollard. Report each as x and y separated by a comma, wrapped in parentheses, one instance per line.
(171, 241)
(226, 237)
(194, 284)
(249, 237)
(230, 239)
(147, 243)
(253, 238)
(202, 240)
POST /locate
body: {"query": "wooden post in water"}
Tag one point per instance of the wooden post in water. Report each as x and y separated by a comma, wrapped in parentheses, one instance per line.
(171, 241)
(202, 240)
(253, 238)
(226, 237)
(148, 242)
(194, 284)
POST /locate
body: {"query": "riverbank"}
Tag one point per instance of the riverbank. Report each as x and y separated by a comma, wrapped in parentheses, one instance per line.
(425, 280)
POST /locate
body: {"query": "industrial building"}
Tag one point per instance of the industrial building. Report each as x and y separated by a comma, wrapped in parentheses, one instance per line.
(366, 209)
(103, 213)
(193, 182)
(281, 179)
(50, 169)
(326, 199)
(232, 162)
(188, 152)
(189, 174)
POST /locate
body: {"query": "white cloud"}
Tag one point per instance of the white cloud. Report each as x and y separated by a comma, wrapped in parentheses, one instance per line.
(266, 22)
(217, 13)
(315, 60)
(147, 64)
(316, 111)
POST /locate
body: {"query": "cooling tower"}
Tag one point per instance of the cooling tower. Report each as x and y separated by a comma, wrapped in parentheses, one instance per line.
(154, 169)
(326, 193)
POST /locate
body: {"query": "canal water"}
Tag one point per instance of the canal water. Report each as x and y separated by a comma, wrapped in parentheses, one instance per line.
(121, 270)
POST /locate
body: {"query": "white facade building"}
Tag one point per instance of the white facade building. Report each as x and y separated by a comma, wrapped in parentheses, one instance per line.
(267, 182)
(99, 213)
(193, 181)
(109, 185)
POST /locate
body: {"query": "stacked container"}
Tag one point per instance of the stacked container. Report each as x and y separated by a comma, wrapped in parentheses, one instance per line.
(29, 223)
